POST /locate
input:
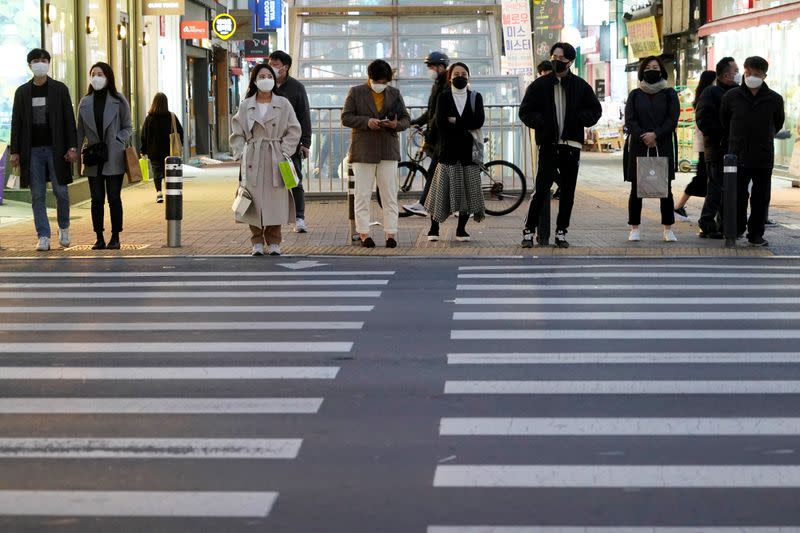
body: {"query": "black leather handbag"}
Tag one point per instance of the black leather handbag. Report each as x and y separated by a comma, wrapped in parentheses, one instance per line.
(94, 154)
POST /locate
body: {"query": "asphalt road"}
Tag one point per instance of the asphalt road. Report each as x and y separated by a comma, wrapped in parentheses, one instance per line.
(399, 395)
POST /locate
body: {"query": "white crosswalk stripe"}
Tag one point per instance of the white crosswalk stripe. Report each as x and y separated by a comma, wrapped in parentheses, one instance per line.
(100, 362)
(594, 331)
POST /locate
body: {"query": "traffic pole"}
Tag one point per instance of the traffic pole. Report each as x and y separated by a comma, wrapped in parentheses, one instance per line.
(173, 176)
(729, 192)
(543, 226)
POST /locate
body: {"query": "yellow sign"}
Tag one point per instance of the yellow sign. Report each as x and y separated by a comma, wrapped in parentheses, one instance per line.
(224, 26)
(643, 37)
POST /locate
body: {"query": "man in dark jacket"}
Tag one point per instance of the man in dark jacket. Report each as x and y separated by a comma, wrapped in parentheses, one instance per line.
(295, 92)
(558, 107)
(44, 145)
(715, 144)
(437, 63)
(752, 114)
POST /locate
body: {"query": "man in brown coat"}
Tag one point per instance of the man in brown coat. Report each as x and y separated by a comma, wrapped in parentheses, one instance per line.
(376, 113)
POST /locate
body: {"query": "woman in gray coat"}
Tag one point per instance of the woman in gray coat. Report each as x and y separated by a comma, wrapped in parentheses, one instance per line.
(104, 124)
(265, 132)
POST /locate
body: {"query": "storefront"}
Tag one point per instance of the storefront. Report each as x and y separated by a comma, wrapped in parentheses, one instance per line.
(773, 34)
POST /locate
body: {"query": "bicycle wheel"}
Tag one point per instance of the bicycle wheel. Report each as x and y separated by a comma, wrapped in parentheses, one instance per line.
(414, 143)
(407, 173)
(504, 187)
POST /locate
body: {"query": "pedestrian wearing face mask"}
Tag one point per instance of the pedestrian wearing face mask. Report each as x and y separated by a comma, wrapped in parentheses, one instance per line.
(651, 116)
(104, 124)
(44, 145)
(375, 113)
(752, 114)
(558, 107)
(437, 63)
(456, 185)
(715, 144)
(265, 131)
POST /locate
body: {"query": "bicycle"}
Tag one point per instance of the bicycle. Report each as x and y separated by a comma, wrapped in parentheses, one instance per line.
(502, 182)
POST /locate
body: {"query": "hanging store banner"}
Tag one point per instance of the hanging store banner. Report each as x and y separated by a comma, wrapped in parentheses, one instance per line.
(163, 7)
(548, 15)
(268, 14)
(517, 39)
(643, 37)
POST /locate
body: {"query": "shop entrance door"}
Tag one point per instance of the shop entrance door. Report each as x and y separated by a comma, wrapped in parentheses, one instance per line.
(197, 91)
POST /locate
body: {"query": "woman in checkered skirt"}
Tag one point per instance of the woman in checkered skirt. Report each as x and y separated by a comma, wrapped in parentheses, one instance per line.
(456, 185)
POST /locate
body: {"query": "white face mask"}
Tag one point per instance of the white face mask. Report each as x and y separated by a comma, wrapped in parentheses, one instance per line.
(754, 82)
(265, 85)
(432, 74)
(99, 83)
(40, 69)
(737, 78)
(378, 87)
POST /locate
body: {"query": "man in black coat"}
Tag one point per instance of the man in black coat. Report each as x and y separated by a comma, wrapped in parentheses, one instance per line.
(44, 144)
(437, 63)
(558, 107)
(715, 144)
(295, 92)
(752, 114)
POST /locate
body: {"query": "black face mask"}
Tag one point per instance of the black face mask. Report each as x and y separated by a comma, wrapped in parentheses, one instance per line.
(560, 66)
(652, 76)
(460, 82)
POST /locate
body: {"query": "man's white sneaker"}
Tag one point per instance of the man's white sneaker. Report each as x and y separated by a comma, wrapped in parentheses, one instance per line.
(44, 244)
(274, 249)
(634, 235)
(669, 236)
(300, 226)
(63, 237)
(258, 249)
(417, 209)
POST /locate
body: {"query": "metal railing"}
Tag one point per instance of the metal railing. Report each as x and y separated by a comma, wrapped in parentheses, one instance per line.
(325, 171)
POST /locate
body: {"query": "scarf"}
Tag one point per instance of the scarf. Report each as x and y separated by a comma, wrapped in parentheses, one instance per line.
(653, 88)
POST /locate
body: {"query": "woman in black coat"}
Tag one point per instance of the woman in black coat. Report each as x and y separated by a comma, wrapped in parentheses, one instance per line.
(456, 183)
(155, 138)
(651, 117)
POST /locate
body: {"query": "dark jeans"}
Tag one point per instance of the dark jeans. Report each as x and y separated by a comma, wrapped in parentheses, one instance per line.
(428, 180)
(298, 193)
(759, 197)
(635, 208)
(100, 186)
(556, 163)
(711, 216)
(158, 174)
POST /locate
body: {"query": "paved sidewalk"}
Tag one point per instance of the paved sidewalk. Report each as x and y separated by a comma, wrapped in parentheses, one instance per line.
(598, 225)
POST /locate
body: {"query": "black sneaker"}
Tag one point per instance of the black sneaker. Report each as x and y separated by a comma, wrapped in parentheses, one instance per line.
(710, 235)
(462, 236)
(368, 243)
(757, 241)
(561, 239)
(391, 243)
(527, 238)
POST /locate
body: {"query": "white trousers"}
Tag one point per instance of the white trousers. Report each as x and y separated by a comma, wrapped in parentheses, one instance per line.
(366, 174)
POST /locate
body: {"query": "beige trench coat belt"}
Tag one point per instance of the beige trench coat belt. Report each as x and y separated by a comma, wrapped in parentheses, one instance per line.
(254, 162)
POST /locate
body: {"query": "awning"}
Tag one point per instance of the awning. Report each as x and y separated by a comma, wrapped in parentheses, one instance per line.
(748, 20)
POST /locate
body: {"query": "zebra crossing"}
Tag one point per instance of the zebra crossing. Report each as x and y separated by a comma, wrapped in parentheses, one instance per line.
(562, 360)
(173, 368)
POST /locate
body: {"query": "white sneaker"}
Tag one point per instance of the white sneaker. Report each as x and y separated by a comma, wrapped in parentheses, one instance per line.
(633, 236)
(669, 236)
(274, 249)
(258, 249)
(300, 226)
(63, 237)
(44, 244)
(417, 209)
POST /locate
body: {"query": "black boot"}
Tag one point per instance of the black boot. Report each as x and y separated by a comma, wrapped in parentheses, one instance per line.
(113, 243)
(100, 244)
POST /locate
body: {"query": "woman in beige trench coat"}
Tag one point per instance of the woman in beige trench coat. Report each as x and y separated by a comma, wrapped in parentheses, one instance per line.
(264, 129)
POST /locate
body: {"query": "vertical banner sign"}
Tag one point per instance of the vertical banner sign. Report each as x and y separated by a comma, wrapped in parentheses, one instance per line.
(268, 14)
(517, 38)
(548, 19)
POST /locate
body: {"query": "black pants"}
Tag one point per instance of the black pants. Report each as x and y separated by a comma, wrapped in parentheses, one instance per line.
(759, 197)
(298, 193)
(100, 186)
(158, 174)
(699, 184)
(428, 180)
(635, 208)
(711, 216)
(556, 163)
(463, 218)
